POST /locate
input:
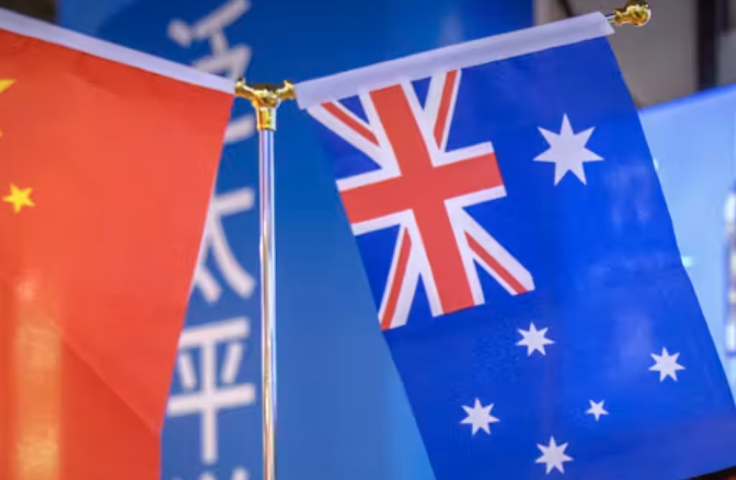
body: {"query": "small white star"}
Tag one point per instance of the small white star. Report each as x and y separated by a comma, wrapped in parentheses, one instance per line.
(567, 151)
(479, 417)
(534, 340)
(553, 456)
(666, 365)
(596, 408)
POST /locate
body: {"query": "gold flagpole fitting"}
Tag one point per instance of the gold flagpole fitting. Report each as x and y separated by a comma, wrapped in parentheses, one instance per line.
(266, 99)
(635, 12)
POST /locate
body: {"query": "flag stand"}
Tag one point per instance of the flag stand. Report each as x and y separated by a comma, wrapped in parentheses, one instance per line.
(265, 99)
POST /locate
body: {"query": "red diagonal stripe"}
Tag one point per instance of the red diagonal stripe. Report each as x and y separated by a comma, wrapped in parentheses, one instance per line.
(350, 122)
(495, 266)
(444, 109)
(398, 280)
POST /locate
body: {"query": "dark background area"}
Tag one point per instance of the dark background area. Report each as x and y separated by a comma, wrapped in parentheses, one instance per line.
(729, 474)
(43, 9)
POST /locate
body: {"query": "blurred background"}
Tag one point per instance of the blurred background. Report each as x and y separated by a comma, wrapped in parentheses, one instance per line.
(687, 49)
(342, 409)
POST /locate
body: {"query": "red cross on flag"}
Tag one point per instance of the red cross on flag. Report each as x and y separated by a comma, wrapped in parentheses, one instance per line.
(423, 188)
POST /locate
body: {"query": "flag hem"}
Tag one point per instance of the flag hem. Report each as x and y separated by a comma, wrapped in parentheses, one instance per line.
(464, 55)
(29, 27)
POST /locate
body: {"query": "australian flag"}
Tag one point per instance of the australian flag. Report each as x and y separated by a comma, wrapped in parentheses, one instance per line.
(523, 261)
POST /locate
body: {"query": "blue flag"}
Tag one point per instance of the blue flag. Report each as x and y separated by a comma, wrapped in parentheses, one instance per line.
(523, 261)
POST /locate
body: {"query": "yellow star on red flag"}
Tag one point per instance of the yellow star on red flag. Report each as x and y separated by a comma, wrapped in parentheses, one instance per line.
(4, 85)
(19, 198)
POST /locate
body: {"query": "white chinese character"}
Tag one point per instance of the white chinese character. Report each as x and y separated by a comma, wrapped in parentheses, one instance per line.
(238, 474)
(225, 59)
(239, 129)
(214, 239)
(205, 397)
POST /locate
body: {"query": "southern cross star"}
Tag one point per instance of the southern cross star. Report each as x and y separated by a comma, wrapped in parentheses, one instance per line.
(479, 417)
(596, 409)
(534, 340)
(553, 456)
(666, 365)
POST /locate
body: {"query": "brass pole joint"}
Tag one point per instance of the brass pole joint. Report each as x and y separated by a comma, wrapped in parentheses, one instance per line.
(635, 12)
(265, 98)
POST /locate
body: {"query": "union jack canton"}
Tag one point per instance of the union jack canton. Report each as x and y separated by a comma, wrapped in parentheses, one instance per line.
(423, 188)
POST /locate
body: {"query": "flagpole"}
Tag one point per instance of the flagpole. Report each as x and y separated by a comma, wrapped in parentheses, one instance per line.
(265, 99)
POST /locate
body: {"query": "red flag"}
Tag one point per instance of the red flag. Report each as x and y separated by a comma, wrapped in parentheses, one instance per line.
(107, 163)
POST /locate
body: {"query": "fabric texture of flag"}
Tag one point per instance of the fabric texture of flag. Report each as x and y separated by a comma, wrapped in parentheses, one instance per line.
(107, 163)
(523, 261)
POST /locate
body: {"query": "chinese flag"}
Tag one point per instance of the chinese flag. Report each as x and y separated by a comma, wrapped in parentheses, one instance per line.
(106, 171)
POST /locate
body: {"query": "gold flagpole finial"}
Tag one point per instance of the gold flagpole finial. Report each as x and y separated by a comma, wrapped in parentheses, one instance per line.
(635, 12)
(265, 98)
